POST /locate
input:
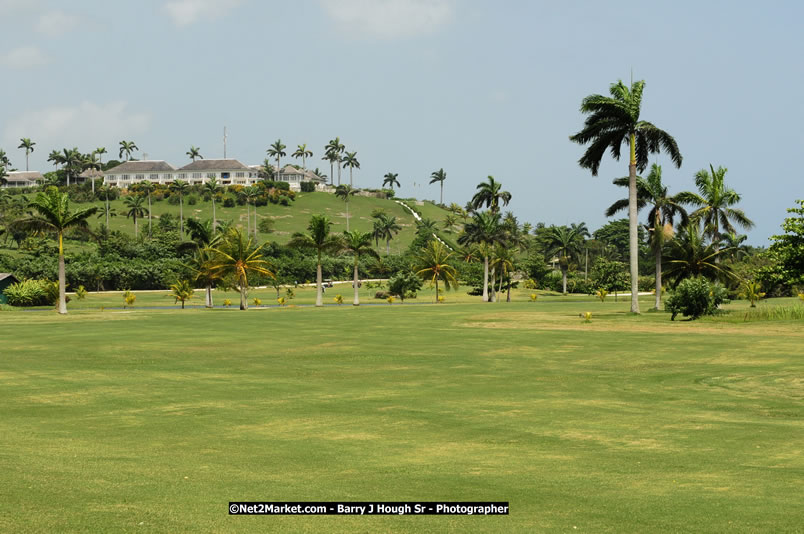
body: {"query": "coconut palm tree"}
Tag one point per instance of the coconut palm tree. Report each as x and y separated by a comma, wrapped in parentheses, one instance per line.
(213, 187)
(238, 256)
(194, 153)
(277, 150)
(439, 176)
(664, 208)
(202, 237)
(127, 147)
(182, 291)
(390, 180)
(449, 223)
(504, 259)
(204, 272)
(303, 152)
(350, 160)
(735, 245)
(344, 192)
(715, 203)
(53, 214)
(490, 194)
(688, 256)
(321, 240)
(483, 229)
(180, 187)
(28, 145)
(564, 242)
(133, 203)
(147, 187)
(358, 244)
(612, 122)
(433, 264)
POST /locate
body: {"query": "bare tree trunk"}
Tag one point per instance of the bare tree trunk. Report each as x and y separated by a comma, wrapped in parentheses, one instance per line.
(319, 300)
(181, 213)
(485, 278)
(508, 298)
(347, 212)
(564, 280)
(357, 296)
(243, 297)
(214, 220)
(149, 215)
(493, 293)
(62, 296)
(658, 278)
(387, 247)
(436, 284)
(633, 235)
(208, 302)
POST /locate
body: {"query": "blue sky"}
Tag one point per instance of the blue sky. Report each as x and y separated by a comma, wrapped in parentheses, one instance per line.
(478, 88)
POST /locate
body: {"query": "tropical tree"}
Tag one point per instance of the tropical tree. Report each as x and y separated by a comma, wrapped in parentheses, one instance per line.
(612, 122)
(135, 209)
(303, 152)
(3, 176)
(664, 208)
(53, 214)
(504, 262)
(715, 203)
(432, 264)
(182, 291)
(203, 268)
(489, 194)
(147, 187)
(564, 242)
(127, 147)
(4, 161)
(439, 176)
(28, 145)
(213, 187)
(688, 256)
(350, 160)
(386, 227)
(390, 180)
(736, 245)
(100, 151)
(277, 150)
(334, 149)
(70, 158)
(238, 256)
(321, 240)
(751, 290)
(358, 244)
(344, 192)
(105, 190)
(484, 230)
(180, 187)
(450, 221)
(250, 195)
(194, 153)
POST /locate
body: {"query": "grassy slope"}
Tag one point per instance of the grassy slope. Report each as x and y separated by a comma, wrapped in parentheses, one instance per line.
(154, 420)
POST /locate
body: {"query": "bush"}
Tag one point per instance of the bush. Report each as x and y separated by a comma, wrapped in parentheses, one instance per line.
(192, 200)
(381, 295)
(646, 283)
(228, 201)
(173, 200)
(266, 225)
(404, 284)
(695, 297)
(307, 187)
(32, 293)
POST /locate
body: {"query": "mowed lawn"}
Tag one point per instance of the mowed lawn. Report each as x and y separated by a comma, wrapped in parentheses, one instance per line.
(153, 420)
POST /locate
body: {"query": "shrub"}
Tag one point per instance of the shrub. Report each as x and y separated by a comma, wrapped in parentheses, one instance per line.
(338, 299)
(695, 297)
(752, 291)
(390, 299)
(307, 187)
(530, 283)
(646, 283)
(404, 284)
(32, 293)
(601, 294)
(81, 293)
(534, 297)
(266, 225)
(192, 200)
(173, 200)
(129, 298)
(227, 302)
(228, 201)
(380, 295)
(284, 201)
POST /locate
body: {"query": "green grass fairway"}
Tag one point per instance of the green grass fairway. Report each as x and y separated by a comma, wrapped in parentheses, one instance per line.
(153, 420)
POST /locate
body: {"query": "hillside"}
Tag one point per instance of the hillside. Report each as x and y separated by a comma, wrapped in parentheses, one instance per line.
(293, 218)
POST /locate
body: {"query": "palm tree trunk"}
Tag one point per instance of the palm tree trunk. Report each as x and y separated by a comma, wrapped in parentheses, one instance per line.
(347, 212)
(586, 266)
(633, 244)
(182, 304)
(658, 278)
(107, 210)
(62, 296)
(442, 191)
(93, 178)
(485, 278)
(436, 284)
(508, 298)
(181, 214)
(564, 281)
(339, 171)
(248, 219)
(135, 227)
(214, 220)
(493, 294)
(243, 297)
(26, 167)
(331, 173)
(387, 247)
(350, 176)
(208, 302)
(357, 295)
(149, 215)
(319, 300)
(500, 285)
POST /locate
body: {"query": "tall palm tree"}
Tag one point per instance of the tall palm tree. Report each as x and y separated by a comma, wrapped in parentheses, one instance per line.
(390, 179)
(358, 243)
(344, 192)
(237, 256)
(147, 187)
(688, 255)
(386, 227)
(202, 237)
(180, 187)
(433, 264)
(28, 145)
(53, 214)
(277, 150)
(104, 190)
(564, 242)
(664, 209)
(4, 161)
(250, 195)
(70, 158)
(734, 243)
(490, 194)
(194, 153)
(203, 267)
(100, 151)
(483, 229)
(321, 240)
(332, 157)
(715, 203)
(303, 152)
(612, 122)
(127, 147)
(439, 176)
(3, 176)
(350, 160)
(133, 203)
(213, 187)
(335, 148)
(504, 259)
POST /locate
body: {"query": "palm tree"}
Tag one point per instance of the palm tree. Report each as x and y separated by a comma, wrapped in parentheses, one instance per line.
(181, 291)
(204, 271)
(303, 152)
(147, 187)
(127, 147)
(4, 161)
(344, 192)
(664, 208)
(181, 187)
(70, 158)
(105, 190)
(504, 258)
(321, 240)
(100, 151)
(385, 227)
(439, 176)
(715, 204)
(433, 264)
(212, 187)
(483, 229)
(564, 242)
(53, 214)
(28, 145)
(335, 148)
(203, 236)
(688, 256)
(612, 122)
(237, 255)
(277, 150)
(194, 153)
(250, 195)
(390, 179)
(358, 243)
(734, 244)
(449, 222)
(490, 194)
(350, 160)
(3, 176)
(135, 209)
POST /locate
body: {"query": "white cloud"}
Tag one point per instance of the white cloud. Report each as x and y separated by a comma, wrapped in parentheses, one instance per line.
(56, 23)
(389, 18)
(24, 57)
(186, 12)
(87, 125)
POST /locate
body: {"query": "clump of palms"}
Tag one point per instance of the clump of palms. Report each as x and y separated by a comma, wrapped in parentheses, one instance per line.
(565, 243)
(433, 265)
(180, 187)
(385, 227)
(689, 256)
(485, 232)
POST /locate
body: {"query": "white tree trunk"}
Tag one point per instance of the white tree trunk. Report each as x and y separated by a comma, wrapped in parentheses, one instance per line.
(633, 237)
(485, 278)
(319, 299)
(357, 295)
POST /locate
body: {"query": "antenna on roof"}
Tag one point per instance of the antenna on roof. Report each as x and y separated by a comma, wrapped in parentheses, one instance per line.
(224, 142)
